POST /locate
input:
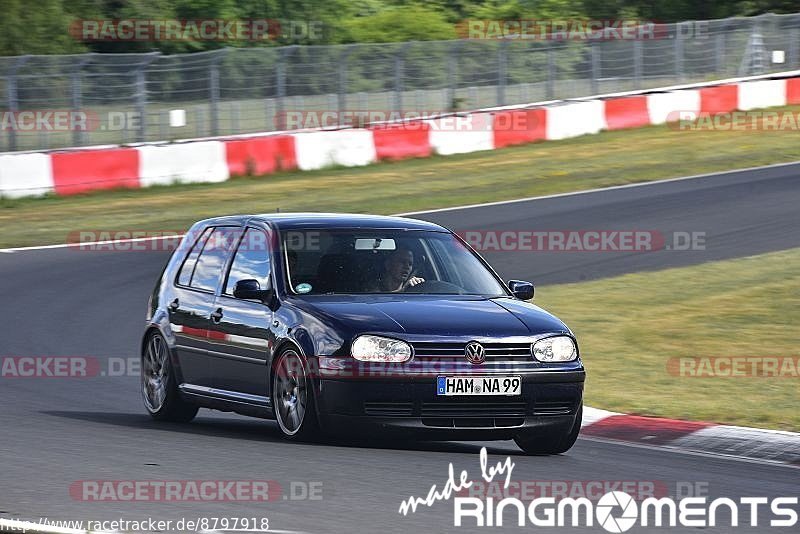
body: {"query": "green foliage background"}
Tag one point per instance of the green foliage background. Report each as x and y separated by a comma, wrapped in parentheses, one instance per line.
(41, 27)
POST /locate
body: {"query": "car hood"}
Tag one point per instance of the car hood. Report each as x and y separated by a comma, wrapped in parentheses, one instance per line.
(435, 316)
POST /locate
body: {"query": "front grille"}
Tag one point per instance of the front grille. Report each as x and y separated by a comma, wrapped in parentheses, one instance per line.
(389, 409)
(473, 409)
(495, 352)
(473, 422)
(485, 414)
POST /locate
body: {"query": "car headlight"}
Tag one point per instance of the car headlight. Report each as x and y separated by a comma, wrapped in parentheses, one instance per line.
(380, 349)
(555, 349)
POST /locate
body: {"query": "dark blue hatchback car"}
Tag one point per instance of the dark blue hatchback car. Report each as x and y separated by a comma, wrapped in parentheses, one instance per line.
(346, 324)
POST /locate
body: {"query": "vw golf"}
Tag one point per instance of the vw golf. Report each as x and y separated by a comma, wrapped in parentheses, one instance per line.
(344, 324)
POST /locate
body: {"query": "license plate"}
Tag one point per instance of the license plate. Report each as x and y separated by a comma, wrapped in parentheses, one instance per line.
(478, 385)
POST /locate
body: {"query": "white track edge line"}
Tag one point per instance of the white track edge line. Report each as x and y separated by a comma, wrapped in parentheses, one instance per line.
(690, 452)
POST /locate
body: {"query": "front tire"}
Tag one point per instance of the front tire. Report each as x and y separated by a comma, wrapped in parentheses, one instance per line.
(543, 442)
(160, 392)
(293, 398)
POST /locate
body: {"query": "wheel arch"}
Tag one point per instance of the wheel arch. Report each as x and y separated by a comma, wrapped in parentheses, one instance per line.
(295, 344)
(173, 359)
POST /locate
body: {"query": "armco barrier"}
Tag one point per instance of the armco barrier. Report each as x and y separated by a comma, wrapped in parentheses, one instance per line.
(260, 155)
(519, 126)
(350, 148)
(400, 141)
(627, 112)
(793, 91)
(183, 163)
(461, 134)
(78, 172)
(73, 172)
(24, 175)
(666, 107)
(722, 99)
(762, 94)
(574, 119)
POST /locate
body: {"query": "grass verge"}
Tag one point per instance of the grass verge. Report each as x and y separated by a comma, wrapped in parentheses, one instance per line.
(609, 158)
(631, 325)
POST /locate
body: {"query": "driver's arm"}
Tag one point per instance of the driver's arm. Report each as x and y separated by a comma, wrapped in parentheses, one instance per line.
(413, 281)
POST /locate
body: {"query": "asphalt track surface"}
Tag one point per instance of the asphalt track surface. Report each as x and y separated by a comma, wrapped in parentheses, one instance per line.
(62, 302)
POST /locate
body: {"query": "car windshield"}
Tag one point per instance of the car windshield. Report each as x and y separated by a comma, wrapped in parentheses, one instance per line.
(384, 261)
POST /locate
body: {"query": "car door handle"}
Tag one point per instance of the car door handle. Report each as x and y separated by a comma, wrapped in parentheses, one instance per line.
(174, 305)
(217, 315)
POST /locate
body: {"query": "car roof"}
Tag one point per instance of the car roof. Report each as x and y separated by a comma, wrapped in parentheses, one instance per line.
(296, 221)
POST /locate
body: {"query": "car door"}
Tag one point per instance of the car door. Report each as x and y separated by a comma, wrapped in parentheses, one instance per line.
(191, 303)
(241, 340)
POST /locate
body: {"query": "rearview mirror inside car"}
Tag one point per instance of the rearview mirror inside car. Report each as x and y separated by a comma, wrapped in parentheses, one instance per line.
(374, 243)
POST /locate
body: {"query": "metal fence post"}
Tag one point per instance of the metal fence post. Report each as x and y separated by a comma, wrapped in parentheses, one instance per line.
(502, 70)
(719, 53)
(78, 136)
(280, 82)
(551, 74)
(13, 97)
(141, 103)
(399, 74)
(452, 68)
(342, 93)
(141, 95)
(637, 64)
(200, 114)
(595, 81)
(679, 73)
(214, 90)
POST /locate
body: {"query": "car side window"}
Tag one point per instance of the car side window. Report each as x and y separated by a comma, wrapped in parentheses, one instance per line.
(185, 274)
(210, 264)
(251, 260)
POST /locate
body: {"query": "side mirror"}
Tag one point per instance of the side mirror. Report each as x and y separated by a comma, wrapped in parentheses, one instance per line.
(251, 290)
(521, 289)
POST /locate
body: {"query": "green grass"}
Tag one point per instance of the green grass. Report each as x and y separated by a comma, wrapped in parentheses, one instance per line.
(630, 326)
(609, 158)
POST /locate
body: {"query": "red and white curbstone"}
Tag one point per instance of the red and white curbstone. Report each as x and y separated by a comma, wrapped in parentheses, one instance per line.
(71, 172)
(695, 436)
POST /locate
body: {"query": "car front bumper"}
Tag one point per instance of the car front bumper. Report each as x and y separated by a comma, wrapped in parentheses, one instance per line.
(391, 406)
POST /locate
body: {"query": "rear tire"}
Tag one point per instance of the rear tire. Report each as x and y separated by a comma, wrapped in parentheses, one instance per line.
(293, 398)
(160, 393)
(543, 442)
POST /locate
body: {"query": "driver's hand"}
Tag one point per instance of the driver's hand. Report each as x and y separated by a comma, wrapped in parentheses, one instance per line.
(413, 281)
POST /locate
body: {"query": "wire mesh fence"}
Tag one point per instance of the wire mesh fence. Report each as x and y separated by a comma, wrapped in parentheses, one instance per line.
(127, 98)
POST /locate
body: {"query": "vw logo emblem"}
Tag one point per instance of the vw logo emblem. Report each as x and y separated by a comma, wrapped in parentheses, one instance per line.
(475, 353)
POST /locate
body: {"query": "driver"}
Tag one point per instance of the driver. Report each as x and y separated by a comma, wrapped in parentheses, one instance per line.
(396, 274)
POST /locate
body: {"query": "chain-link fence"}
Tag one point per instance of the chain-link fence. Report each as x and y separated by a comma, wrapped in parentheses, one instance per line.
(128, 97)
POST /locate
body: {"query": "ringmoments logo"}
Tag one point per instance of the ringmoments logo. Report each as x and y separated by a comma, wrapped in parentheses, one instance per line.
(615, 511)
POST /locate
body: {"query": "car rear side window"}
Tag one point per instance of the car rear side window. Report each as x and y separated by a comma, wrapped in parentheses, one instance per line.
(185, 274)
(251, 261)
(210, 264)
